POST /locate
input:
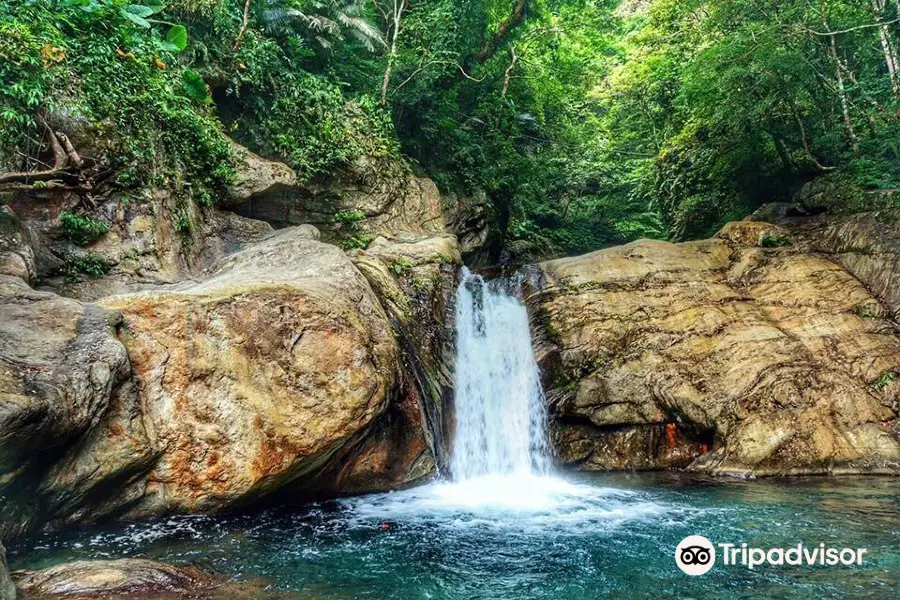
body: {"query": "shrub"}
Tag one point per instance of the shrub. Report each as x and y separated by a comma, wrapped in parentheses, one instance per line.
(81, 230)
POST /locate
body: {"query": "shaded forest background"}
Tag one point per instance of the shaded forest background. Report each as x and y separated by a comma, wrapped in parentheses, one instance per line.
(585, 122)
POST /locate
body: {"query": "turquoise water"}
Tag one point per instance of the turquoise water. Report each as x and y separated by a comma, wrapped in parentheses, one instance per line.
(605, 536)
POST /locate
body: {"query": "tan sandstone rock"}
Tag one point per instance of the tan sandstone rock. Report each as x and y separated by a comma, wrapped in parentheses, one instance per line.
(255, 176)
(258, 376)
(86, 578)
(137, 579)
(719, 355)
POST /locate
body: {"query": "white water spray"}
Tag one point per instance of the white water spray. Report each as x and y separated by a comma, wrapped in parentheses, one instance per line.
(501, 468)
(501, 413)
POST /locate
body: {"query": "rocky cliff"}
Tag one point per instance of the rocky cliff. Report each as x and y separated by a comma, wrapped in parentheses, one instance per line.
(744, 354)
(244, 366)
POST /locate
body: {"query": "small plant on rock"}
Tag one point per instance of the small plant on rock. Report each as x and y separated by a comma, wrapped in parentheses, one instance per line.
(91, 264)
(771, 240)
(81, 230)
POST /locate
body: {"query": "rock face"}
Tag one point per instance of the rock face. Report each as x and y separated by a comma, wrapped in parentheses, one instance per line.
(372, 196)
(416, 280)
(836, 193)
(261, 375)
(61, 370)
(736, 355)
(866, 244)
(255, 176)
(16, 255)
(467, 217)
(154, 237)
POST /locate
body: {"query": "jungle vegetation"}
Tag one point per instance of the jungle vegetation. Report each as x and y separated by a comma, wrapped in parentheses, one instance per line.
(586, 122)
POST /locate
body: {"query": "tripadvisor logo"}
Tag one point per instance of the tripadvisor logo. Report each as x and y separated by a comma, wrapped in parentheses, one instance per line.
(696, 555)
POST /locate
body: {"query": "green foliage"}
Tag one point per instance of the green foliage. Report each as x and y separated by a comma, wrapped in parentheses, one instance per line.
(111, 62)
(349, 217)
(184, 225)
(401, 265)
(357, 241)
(81, 230)
(885, 380)
(348, 221)
(90, 264)
(193, 86)
(306, 120)
(586, 122)
(770, 240)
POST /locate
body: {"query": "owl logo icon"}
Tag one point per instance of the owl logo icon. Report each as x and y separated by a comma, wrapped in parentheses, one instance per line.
(695, 555)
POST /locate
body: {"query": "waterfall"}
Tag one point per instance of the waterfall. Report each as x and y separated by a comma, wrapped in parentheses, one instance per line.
(501, 414)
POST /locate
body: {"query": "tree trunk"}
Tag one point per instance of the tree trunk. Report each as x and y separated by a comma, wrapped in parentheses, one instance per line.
(507, 75)
(887, 47)
(841, 89)
(397, 14)
(516, 18)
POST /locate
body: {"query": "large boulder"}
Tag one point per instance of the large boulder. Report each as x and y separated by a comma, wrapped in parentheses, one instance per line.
(260, 376)
(738, 355)
(63, 376)
(278, 373)
(255, 176)
(90, 578)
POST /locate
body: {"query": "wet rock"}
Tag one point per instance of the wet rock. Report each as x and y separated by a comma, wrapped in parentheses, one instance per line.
(415, 278)
(766, 360)
(102, 578)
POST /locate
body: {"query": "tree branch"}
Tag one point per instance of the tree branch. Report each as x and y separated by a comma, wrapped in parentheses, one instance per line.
(493, 43)
(244, 21)
(851, 29)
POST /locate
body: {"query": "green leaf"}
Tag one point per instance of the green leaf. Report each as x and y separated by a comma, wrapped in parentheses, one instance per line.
(155, 5)
(139, 10)
(194, 86)
(177, 37)
(139, 21)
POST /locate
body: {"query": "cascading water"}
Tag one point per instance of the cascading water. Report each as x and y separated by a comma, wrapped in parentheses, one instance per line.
(500, 409)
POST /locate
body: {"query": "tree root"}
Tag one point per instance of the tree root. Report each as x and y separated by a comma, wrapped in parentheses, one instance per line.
(69, 172)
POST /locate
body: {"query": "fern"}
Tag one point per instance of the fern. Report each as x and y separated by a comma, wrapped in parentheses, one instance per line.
(322, 22)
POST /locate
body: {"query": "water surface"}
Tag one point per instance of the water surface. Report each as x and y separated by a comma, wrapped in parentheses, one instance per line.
(522, 538)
